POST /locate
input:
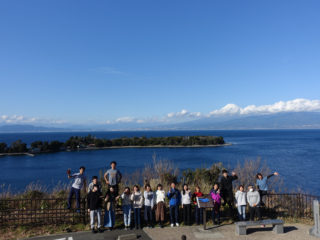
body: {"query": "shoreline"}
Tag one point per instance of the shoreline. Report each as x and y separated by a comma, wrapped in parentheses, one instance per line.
(119, 147)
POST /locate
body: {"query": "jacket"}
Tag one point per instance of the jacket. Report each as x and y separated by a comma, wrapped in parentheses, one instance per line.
(241, 198)
(126, 199)
(215, 195)
(174, 197)
(253, 198)
(226, 186)
(137, 199)
(186, 198)
(94, 200)
(160, 196)
(148, 199)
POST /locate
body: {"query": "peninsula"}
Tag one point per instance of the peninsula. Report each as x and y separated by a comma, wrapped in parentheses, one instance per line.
(90, 142)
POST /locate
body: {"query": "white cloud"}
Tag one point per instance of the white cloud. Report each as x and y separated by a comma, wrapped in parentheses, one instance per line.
(296, 105)
(184, 114)
(20, 119)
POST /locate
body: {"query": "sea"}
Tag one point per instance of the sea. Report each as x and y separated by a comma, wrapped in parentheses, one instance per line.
(295, 154)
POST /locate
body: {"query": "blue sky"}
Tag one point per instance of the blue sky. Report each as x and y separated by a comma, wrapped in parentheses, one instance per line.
(98, 61)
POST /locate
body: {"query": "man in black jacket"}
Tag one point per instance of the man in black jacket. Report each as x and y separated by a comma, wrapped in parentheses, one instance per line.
(226, 188)
(94, 207)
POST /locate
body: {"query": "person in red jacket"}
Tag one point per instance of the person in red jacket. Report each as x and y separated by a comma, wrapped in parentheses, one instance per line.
(198, 211)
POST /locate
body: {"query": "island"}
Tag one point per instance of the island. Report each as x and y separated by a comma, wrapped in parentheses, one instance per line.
(76, 143)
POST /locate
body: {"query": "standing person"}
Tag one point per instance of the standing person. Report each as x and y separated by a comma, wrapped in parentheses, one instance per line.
(198, 211)
(160, 208)
(241, 203)
(262, 185)
(137, 200)
(79, 181)
(216, 198)
(174, 197)
(186, 204)
(94, 182)
(148, 205)
(126, 207)
(113, 177)
(110, 207)
(94, 207)
(253, 198)
(227, 190)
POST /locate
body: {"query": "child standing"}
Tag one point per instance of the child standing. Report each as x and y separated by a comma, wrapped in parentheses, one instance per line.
(160, 211)
(110, 201)
(216, 198)
(148, 205)
(137, 200)
(126, 207)
(94, 207)
(186, 204)
(253, 198)
(241, 203)
(175, 199)
(94, 182)
(198, 211)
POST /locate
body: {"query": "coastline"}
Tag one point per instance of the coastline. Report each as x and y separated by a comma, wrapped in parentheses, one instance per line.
(119, 147)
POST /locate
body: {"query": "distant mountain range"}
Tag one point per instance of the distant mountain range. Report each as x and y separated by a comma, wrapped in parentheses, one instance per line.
(14, 128)
(293, 120)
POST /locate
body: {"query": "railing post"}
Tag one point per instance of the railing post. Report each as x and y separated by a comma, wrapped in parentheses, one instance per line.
(315, 230)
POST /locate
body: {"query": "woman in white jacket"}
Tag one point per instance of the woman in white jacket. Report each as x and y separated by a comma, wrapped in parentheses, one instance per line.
(137, 202)
(241, 203)
(160, 201)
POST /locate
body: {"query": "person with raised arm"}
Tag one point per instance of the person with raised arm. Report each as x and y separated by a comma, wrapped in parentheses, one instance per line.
(226, 189)
(262, 185)
(79, 182)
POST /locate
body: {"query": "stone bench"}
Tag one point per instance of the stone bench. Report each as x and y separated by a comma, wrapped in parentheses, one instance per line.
(277, 224)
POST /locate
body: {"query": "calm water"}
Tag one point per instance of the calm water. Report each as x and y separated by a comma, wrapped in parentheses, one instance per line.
(295, 154)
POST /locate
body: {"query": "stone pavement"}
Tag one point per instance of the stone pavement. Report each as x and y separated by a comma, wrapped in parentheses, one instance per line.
(227, 232)
(223, 232)
(88, 235)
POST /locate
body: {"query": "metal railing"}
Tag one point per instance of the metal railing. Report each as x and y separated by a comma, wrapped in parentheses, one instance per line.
(54, 211)
(294, 205)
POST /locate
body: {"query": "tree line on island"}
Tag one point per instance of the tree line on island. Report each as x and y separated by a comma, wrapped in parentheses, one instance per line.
(91, 142)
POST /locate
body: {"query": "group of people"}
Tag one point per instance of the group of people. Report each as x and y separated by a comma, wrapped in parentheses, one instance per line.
(154, 202)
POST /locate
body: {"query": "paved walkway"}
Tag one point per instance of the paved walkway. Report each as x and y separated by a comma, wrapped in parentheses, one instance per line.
(224, 232)
(227, 232)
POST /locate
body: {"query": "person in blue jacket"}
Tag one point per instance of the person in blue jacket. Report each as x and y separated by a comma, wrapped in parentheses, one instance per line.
(262, 185)
(174, 197)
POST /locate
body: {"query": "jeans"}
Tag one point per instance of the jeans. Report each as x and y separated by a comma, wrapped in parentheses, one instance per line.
(242, 212)
(77, 193)
(109, 218)
(126, 215)
(93, 213)
(199, 215)
(148, 215)
(137, 217)
(174, 214)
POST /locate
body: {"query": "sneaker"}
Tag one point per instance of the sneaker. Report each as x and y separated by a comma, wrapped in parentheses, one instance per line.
(93, 231)
(172, 225)
(100, 230)
(177, 224)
